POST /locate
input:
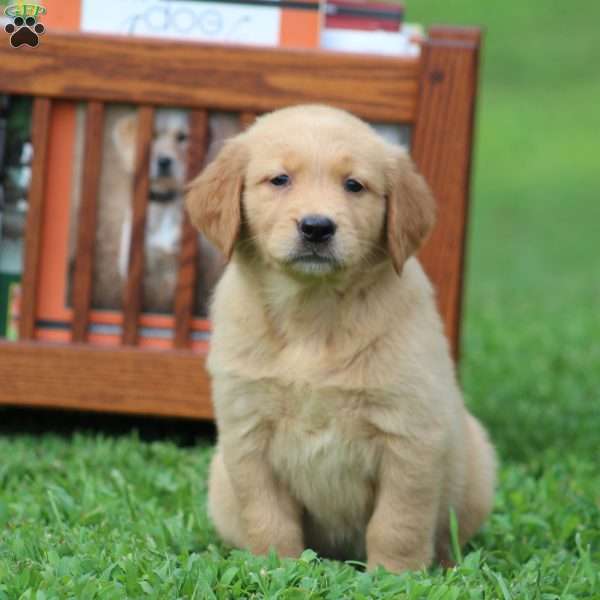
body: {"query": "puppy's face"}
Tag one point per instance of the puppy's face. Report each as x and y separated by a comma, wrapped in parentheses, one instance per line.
(320, 193)
(314, 195)
(167, 153)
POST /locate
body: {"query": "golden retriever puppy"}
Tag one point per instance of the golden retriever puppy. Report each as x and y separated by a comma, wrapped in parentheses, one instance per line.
(341, 424)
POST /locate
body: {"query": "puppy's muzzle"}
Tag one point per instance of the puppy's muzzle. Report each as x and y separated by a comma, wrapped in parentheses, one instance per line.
(316, 229)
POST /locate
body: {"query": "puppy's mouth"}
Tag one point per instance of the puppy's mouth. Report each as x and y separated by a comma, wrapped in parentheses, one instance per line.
(164, 189)
(313, 263)
(316, 258)
(162, 196)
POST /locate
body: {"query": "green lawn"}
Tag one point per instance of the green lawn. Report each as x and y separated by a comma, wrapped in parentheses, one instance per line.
(94, 516)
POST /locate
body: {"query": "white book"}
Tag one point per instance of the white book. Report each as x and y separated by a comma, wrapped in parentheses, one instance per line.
(394, 43)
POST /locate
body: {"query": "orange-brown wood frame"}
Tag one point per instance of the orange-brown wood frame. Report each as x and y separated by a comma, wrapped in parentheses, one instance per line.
(435, 93)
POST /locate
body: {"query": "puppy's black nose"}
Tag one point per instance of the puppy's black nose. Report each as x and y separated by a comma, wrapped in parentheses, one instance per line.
(164, 165)
(316, 228)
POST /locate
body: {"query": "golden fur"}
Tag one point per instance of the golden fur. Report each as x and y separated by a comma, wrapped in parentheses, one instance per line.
(341, 424)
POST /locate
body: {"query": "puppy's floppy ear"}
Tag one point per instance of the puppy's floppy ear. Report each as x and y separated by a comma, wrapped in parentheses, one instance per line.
(410, 208)
(214, 197)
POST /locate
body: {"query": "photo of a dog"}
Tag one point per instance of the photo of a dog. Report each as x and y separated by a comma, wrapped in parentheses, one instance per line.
(341, 426)
(167, 164)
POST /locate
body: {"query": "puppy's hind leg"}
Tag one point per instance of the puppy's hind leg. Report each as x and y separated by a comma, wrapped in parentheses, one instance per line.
(472, 491)
(480, 482)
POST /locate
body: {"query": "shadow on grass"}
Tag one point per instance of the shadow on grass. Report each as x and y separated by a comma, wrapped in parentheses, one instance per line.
(182, 432)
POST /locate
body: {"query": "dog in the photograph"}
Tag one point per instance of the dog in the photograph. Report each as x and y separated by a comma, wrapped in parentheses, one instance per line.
(164, 217)
(168, 159)
(164, 214)
(341, 424)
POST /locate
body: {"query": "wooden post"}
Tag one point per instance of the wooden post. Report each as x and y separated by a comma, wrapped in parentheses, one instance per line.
(133, 296)
(442, 148)
(86, 226)
(40, 125)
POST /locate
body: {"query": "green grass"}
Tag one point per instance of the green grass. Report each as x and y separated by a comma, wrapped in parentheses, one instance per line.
(92, 516)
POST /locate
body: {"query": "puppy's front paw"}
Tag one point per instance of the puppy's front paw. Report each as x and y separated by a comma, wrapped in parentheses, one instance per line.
(291, 548)
(397, 557)
(283, 537)
(283, 549)
(397, 565)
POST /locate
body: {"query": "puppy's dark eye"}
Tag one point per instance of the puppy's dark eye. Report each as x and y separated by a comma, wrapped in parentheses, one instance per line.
(351, 185)
(280, 180)
(181, 136)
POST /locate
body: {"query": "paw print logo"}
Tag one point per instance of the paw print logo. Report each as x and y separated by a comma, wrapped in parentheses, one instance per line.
(24, 31)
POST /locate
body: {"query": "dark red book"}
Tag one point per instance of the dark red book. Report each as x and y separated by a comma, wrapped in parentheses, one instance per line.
(363, 16)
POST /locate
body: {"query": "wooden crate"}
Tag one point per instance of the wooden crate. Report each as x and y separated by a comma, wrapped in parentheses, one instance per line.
(435, 93)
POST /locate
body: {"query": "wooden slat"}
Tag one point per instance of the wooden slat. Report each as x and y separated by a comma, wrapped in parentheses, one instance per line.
(234, 78)
(40, 124)
(455, 33)
(121, 380)
(188, 260)
(442, 150)
(133, 297)
(86, 226)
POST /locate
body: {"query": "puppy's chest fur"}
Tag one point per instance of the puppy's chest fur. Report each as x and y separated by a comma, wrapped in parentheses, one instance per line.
(325, 451)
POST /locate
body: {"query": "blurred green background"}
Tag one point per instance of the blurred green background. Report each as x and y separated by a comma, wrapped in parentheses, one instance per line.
(531, 337)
